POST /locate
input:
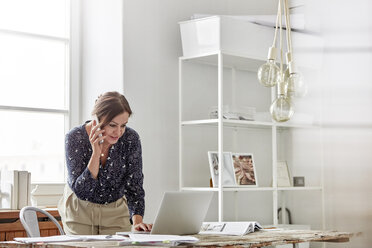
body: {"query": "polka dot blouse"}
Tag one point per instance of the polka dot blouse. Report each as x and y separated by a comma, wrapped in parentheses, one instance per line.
(121, 176)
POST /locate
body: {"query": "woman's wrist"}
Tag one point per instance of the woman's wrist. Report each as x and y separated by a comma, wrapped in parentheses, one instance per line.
(96, 155)
(137, 219)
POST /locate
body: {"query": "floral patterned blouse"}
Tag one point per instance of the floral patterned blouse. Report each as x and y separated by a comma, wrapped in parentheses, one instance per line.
(121, 176)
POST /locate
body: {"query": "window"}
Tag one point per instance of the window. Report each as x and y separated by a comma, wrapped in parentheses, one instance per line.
(34, 86)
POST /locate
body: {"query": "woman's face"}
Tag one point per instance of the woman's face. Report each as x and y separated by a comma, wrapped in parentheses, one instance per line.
(116, 128)
(247, 163)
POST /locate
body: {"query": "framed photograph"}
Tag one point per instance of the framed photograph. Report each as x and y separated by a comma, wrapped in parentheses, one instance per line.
(228, 178)
(299, 181)
(283, 177)
(244, 169)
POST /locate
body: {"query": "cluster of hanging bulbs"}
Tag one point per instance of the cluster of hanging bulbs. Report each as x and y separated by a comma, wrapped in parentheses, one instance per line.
(290, 82)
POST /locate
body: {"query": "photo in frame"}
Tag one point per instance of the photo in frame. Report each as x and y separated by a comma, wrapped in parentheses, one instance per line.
(299, 181)
(283, 176)
(244, 169)
(228, 177)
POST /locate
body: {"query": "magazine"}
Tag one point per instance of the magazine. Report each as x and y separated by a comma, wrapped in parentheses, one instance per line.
(229, 228)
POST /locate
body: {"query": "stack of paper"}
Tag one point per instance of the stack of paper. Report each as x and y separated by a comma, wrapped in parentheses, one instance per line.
(153, 239)
(50, 239)
(68, 238)
(133, 239)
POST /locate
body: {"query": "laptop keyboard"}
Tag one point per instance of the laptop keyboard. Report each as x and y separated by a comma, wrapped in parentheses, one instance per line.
(141, 232)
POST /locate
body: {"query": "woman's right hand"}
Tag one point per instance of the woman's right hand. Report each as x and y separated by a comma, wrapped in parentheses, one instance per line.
(95, 138)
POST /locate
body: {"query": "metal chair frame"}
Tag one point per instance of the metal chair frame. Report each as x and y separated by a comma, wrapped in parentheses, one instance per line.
(30, 221)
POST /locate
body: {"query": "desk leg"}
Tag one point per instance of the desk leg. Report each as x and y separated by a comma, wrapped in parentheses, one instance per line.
(296, 245)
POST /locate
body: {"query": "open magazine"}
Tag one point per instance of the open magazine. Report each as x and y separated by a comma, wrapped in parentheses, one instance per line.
(229, 228)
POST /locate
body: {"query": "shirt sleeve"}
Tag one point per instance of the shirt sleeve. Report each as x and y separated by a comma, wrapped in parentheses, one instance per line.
(80, 179)
(134, 192)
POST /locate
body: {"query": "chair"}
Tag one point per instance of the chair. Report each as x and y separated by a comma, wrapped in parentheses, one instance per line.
(29, 221)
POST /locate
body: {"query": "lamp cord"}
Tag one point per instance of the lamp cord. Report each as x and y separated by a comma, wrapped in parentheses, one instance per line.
(288, 26)
(276, 25)
(281, 37)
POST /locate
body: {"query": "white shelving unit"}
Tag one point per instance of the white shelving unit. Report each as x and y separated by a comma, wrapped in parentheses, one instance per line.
(228, 61)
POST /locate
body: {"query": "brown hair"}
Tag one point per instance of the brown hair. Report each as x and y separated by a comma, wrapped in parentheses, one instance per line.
(109, 105)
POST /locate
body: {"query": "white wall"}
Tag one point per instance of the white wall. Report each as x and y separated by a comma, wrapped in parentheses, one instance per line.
(101, 49)
(347, 100)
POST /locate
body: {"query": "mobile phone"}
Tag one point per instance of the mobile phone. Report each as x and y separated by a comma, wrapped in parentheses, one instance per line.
(98, 129)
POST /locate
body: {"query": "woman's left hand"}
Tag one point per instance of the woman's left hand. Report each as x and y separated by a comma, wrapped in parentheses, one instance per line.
(138, 224)
(142, 227)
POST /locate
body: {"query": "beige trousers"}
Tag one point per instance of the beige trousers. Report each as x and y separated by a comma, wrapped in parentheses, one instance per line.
(85, 218)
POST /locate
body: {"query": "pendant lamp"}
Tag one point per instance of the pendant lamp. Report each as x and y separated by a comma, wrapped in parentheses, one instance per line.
(289, 83)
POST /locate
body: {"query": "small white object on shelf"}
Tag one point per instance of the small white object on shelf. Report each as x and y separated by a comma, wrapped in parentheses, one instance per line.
(237, 113)
(284, 179)
(228, 177)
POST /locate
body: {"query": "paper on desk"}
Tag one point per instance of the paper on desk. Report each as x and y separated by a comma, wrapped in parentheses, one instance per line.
(67, 238)
(100, 237)
(50, 239)
(136, 232)
(158, 239)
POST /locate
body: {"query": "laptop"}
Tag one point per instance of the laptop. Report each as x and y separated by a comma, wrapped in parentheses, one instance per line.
(181, 213)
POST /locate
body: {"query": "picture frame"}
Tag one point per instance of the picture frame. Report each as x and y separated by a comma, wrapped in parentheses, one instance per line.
(283, 175)
(228, 177)
(244, 169)
(299, 181)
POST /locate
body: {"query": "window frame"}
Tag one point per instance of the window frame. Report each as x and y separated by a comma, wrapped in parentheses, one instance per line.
(72, 85)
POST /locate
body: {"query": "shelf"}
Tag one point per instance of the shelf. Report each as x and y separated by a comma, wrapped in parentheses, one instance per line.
(237, 188)
(230, 60)
(293, 125)
(252, 188)
(244, 124)
(248, 188)
(198, 189)
(298, 188)
(229, 123)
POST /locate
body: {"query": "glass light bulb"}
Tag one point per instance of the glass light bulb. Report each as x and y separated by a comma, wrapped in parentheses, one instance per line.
(281, 109)
(296, 85)
(269, 74)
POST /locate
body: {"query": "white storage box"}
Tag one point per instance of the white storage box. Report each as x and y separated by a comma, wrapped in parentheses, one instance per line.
(236, 36)
(227, 34)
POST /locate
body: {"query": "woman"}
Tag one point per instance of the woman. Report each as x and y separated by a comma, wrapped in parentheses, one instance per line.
(104, 163)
